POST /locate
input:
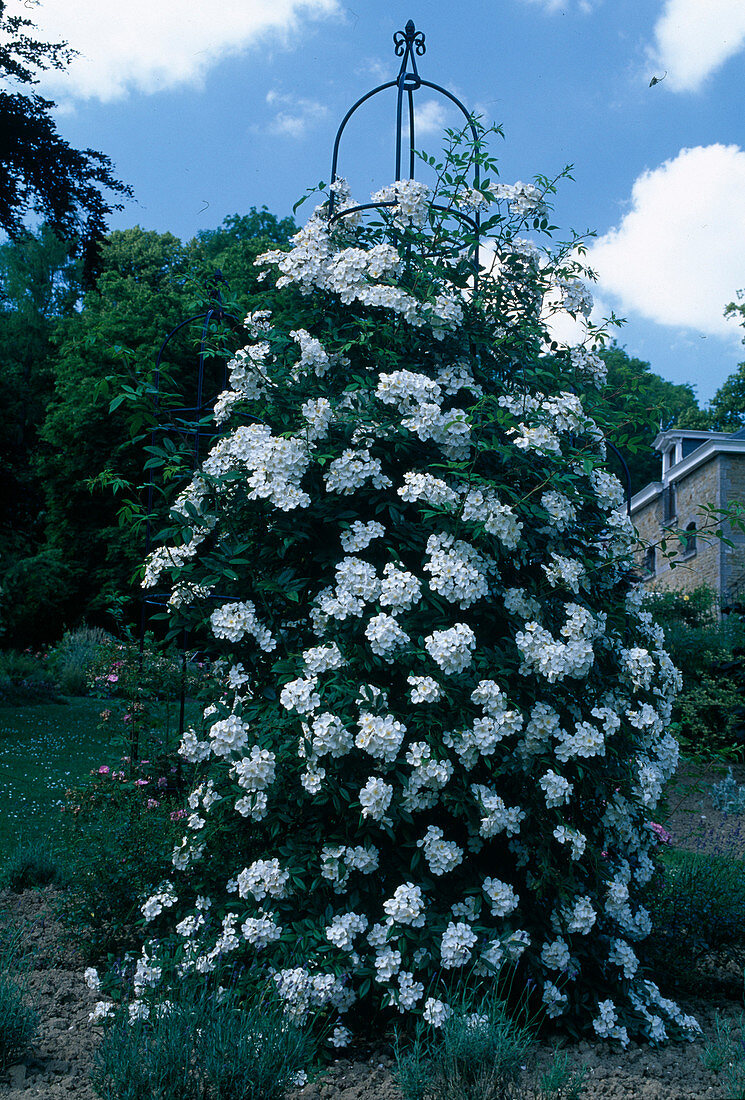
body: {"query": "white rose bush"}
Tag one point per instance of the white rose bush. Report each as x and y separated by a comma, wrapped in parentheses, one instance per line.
(442, 736)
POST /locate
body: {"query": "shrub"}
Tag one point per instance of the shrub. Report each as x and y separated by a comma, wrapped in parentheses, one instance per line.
(75, 655)
(149, 682)
(24, 678)
(708, 719)
(672, 609)
(18, 1021)
(32, 863)
(697, 903)
(725, 1055)
(443, 728)
(118, 833)
(203, 1045)
(709, 713)
(561, 1081)
(480, 1052)
(728, 796)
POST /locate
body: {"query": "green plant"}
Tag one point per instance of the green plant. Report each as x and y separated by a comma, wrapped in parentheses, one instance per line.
(718, 1050)
(707, 647)
(32, 863)
(205, 1044)
(75, 655)
(728, 796)
(708, 717)
(118, 833)
(18, 1021)
(148, 679)
(725, 1055)
(697, 904)
(561, 1081)
(478, 1053)
(696, 607)
(24, 678)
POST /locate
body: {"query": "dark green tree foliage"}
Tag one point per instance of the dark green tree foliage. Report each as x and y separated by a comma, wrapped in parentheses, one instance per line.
(77, 559)
(39, 285)
(638, 403)
(139, 296)
(233, 247)
(728, 404)
(40, 172)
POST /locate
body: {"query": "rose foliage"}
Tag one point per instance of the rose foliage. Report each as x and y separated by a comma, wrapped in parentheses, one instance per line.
(442, 737)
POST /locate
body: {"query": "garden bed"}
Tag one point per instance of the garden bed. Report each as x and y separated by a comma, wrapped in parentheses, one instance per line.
(58, 1065)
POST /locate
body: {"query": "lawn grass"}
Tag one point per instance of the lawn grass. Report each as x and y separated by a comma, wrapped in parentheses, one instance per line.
(44, 749)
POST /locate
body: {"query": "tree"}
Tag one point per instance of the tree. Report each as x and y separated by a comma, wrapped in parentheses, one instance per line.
(40, 172)
(77, 447)
(39, 285)
(141, 293)
(636, 403)
(727, 407)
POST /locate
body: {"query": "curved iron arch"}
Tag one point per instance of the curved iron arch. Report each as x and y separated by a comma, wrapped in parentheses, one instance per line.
(407, 44)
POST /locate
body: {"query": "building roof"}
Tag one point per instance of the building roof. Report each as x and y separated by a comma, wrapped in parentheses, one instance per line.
(708, 446)
(666, 439)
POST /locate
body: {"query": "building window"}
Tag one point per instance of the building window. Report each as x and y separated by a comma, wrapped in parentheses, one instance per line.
(688, 541)
(668, 504)
(649, 564)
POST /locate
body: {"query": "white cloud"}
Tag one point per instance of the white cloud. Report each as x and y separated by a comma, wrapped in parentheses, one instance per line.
(152, 45)
(694, 37)
(295, 116)
(430, 117)
(678, 255)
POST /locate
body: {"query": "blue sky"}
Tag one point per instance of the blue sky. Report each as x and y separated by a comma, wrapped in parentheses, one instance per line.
(208, 108)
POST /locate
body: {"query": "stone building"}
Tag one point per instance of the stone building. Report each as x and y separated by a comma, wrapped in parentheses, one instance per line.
(700, 470)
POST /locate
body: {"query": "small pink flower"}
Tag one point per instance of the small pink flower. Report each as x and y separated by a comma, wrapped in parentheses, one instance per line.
(126, 718)
(105, 715)
(664, 836)
(141, 782)
(177, 815)
(152, 803)
(112, 677)
(104, 769)
(162, 782)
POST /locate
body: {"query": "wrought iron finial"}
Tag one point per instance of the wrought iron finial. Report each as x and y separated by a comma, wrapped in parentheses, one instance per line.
(409, 37)
(409, 42)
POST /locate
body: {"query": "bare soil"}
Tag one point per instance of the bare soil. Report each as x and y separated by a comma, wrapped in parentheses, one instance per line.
(58, 1066)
